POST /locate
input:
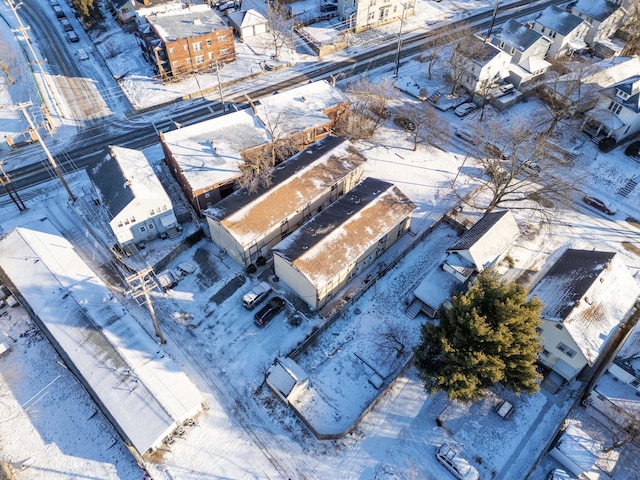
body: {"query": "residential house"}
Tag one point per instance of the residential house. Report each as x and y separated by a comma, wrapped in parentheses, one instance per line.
(617, 392)
(339, 243)
(565, 30)
(361, 15)
(482, 246)
(246, 224)
(527, 49)
(195, 39)
(247, 23)
(617, 114)
(141, 392)
(582, 455)
(603, 17)
(587, 294)
(205, 158)
(136, 202)
(478, 65)
(129, 10)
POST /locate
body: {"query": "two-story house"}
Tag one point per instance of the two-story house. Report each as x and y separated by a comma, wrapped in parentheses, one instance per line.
(587, 294)
(478, 65)
(617, 114)
(527, 49)
(565, 30)
(195, 39)
(138, 10)
(603, 17)
(361, 15)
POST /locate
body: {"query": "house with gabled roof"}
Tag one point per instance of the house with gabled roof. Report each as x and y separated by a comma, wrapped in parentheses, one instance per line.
(247, 23)
(137, 204)
(246, 224)
(587, 294)
(205, 158)
(342, 241)
(617, 113)
(128, 10)
(482, 246)
(565, 30)
(527, 49)
(481, 64)
(604, 17)
(140, 390)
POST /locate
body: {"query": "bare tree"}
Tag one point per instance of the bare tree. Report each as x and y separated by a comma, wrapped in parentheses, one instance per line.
(518, 173)
(391, 340)
(427, 126)
(630, 30)
(438, 46)
(369, 106)
(280, 26)
(467, 52)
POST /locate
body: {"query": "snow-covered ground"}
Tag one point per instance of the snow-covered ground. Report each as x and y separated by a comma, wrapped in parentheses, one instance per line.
(49, 429)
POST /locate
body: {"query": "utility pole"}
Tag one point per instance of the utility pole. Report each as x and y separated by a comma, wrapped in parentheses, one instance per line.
(218, 77)
(34, 131)
(5, 181)
(493, 19)
(397, 67)
(141, 284)
(23, 31)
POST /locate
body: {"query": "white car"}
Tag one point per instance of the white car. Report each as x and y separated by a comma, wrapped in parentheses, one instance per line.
(465, 109)
(466, 136)
(256, 295)
(82, 54)
(458, 466)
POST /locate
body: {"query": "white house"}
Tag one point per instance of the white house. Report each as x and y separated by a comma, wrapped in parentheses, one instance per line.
(340, 242)
(135, 200)
(617, 114)
(565, 30)
(247, 23)
(527, 49)
(247, 224)
(587, 294)
(603, 17)
(137, 10)
(482, 246)
(138, 388)
(479, 65)
(361, 15)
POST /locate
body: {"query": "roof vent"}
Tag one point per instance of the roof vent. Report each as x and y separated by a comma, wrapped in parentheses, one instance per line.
(197, 21)
(303, 99)
(305, 247)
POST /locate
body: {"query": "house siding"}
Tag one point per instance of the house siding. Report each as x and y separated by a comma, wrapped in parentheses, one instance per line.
(551, 337)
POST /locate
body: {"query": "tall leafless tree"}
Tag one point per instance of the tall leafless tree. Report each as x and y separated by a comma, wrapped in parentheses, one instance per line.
(280, 25)
(437, 47)
(369, 106)
(631, 30)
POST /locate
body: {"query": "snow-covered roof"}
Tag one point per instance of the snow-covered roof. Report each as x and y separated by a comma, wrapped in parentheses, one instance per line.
(247, 18)
(299, 108)
(209, 152)
(559, 20)
(295, 183)
(518, 36)
(590, 292)
(284, 374)
(599, 10)
(437, 287)
(336, 237)
(477, 50)
(579, 447)
(141, 390)
(489, 238)
(628, 357)
(194, 21)
(534, 64)
(125, 177)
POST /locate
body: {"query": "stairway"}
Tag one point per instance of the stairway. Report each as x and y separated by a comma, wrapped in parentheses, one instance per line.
(553, 382)
(628, 188)
(413, 309)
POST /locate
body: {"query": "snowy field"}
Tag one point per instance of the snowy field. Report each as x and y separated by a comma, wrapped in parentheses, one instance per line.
(52, 430)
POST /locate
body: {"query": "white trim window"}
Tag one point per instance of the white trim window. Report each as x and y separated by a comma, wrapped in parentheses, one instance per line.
(566, 350)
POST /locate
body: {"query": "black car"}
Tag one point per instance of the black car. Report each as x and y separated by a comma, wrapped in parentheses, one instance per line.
(405, 123)
(599, 205)
(266, 313)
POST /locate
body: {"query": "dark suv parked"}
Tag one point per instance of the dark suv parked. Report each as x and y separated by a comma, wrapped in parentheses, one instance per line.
(266, 313)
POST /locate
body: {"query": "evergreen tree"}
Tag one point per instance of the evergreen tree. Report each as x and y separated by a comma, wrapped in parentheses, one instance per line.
(89, 11)
(487, 336)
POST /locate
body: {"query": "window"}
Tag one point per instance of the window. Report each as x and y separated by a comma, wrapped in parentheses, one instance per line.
(197, 46)
(559, 326)
(566, 350)
(207, 195)
(545, 352)
(615, 107)
(224, 51)
(199, 59)
(120, 224)
(174, 63)
(151, 227)
(142, 229)
(172, 50)
(512, 51)
(501, 44)
(185, 46)
(152, 212)
(188, 60)
(222, 38)
(210, 55)
(552, 34)
(635, 383)
(208, 42)
(370, 16)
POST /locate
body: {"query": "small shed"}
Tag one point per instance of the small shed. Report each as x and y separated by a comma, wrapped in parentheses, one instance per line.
(286, 378)
(247, 23)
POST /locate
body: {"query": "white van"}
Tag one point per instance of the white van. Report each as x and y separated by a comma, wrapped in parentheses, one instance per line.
(457, 465)
(256, 295)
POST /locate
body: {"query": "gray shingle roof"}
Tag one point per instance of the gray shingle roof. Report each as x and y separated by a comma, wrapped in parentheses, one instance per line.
(518, 35)
(475, 233)
(599, 10)
(108, 177)
(559, 20)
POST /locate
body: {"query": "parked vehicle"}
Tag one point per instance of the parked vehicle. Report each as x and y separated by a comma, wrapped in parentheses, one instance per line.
(405, 123)
(256, 295)
(186, 268)
(465, 109)
(82, 54)
(166, 280)
(66, 25)
(58, 11)
(328, 8)
(559, 474)
(53, 3)
(467, 137)
(598, 205)
(73, 38)
(266, 313)
(458, 466)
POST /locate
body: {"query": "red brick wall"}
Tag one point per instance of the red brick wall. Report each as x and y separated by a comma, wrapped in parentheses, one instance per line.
(201, 50)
